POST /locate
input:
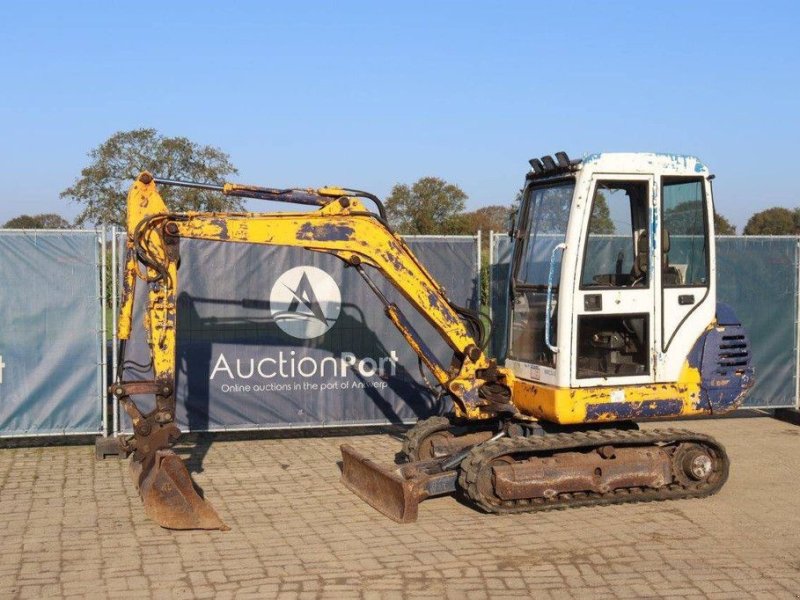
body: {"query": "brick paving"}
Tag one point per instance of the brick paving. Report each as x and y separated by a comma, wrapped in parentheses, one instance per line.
(71, 526)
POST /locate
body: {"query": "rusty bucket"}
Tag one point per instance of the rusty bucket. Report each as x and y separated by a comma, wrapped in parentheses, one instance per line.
(169, 496)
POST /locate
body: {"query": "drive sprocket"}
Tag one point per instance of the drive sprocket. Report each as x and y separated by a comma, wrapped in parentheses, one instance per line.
(418, 441)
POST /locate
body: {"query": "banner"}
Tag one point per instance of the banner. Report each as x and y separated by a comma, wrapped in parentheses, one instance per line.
(279, 337)
(49, 333)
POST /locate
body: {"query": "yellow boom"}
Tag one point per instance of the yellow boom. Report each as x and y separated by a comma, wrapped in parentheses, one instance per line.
(341, 226)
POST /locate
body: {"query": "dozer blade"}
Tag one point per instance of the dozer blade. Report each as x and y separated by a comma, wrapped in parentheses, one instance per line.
(169, 496)
(394, 491)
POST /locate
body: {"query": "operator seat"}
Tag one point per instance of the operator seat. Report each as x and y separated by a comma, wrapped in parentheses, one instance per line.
(669, 275)
(641, 260)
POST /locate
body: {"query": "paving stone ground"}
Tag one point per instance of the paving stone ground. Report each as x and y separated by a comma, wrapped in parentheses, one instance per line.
(70, 526)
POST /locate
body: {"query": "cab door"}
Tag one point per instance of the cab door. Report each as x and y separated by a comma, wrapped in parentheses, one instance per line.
(687, 274)
(613, 328)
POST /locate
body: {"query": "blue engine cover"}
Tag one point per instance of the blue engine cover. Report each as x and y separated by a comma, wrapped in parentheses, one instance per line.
(723, 357)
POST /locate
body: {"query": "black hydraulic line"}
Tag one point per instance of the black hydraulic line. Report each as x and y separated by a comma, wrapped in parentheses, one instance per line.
(214, 187)
(290, 195)
(425, 352)
(457, 458)
(384, 300)
(477, 328)
(374, 198)
(120, 359)
(143, 253)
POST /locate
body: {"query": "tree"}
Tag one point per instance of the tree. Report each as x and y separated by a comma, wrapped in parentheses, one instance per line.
(722, 226)
(429, 206)
(103, 185)
(600, 221)
(485, 219)
(42, 221)
(773, 221)
(494, 217)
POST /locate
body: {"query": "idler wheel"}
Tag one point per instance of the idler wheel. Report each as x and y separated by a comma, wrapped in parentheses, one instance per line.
(695, 465)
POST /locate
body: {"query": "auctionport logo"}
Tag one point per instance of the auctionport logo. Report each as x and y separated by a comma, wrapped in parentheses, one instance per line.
(305, 302)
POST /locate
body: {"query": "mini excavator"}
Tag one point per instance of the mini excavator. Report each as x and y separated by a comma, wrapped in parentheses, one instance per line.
(613, 319)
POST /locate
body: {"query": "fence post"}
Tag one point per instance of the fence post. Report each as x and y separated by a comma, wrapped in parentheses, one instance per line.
(103, 330)
(480, 274)
(114, 316)
(792, 415)
(797, 324)
(490, 269)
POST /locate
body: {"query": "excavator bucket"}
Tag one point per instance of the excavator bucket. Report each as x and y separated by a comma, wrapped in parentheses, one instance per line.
(169, 496)
(395, 491)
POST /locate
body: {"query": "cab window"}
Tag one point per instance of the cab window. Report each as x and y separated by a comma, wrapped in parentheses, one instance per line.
(684, 242)
(616, 253)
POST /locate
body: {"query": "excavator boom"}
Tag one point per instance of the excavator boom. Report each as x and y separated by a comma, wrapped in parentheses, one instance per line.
(342, 227)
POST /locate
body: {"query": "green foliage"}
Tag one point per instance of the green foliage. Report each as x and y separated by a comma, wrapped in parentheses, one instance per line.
(429, 206)
(485, 292)
(774, 221)
(685, 218)
(42, 221)
(103, 185)
(552, 206)
(488, 218)
(722, 226)
(600, 221)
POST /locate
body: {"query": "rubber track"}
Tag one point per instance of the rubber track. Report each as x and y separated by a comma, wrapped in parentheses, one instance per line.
(421, 430)
(483, 455)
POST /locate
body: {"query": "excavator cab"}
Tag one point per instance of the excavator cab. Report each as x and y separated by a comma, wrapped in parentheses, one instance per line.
(612, 286)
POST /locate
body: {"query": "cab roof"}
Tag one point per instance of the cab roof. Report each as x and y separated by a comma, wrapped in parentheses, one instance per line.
(618, 163)
(644, 162)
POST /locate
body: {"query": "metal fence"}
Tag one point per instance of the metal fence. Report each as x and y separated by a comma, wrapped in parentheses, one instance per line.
(756, 275)
(56, 360)
(52, 327)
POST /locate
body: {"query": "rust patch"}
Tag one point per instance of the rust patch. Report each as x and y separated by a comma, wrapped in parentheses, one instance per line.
(169, 496)
(631, 410)
(395, 261)
(396, 250)
(327, 232)
(223, 227)
(446, 312)
(605, 469)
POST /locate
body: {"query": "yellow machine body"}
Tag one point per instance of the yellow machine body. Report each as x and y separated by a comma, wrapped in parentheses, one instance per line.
(574, 406)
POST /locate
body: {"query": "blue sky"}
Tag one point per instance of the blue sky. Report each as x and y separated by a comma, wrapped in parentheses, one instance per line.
(368, 94)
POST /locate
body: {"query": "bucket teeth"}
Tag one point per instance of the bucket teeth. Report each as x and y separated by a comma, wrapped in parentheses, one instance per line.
(169, 496)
